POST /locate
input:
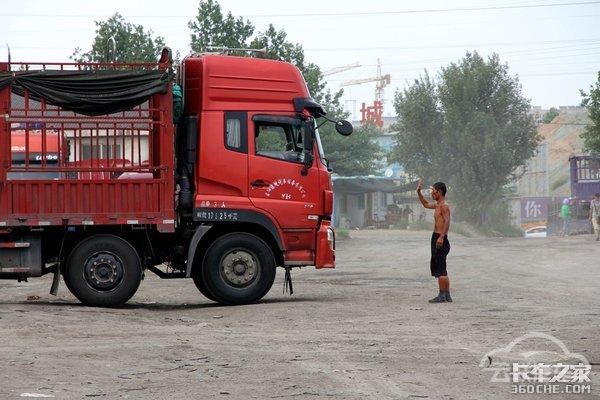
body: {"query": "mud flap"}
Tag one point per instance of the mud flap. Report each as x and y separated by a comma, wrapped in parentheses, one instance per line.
(287, 281)
(55, 281)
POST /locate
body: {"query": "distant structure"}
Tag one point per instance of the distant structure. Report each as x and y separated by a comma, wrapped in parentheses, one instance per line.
(534, 199)
(545, 179)
(373, 113)
(337, 70)
(547, 173)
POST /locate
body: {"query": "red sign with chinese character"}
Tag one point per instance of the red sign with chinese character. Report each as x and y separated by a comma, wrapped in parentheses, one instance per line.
(372, 114)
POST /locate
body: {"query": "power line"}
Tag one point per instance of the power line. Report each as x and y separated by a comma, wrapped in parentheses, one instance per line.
(524, 43)
(337, 14)
(581, 42)
(567, 123)
(535, 74)
(438, 10)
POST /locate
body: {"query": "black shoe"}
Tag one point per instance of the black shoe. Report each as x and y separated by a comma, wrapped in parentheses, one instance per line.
(448, 298)
(439, 299)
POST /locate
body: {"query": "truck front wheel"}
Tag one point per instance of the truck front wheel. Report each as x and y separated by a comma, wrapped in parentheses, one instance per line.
(199, 282)
(238, 268)
(103, 271)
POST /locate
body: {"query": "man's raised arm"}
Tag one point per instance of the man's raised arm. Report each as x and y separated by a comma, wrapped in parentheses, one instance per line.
(422, 199)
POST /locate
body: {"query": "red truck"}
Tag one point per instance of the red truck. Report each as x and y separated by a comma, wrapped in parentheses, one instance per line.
(233, 188)
(31, 147)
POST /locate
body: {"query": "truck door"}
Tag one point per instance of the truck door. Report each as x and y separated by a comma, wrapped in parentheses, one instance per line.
(275, 158)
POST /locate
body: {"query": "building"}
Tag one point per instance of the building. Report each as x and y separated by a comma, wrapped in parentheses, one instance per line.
(545, 180)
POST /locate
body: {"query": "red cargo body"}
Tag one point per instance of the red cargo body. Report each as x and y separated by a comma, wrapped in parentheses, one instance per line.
(94, 152)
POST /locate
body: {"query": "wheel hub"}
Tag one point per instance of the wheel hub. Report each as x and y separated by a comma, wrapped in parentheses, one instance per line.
(103, 271)
(239, 268)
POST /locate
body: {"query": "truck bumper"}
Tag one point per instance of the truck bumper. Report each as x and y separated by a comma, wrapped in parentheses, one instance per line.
(325, 248)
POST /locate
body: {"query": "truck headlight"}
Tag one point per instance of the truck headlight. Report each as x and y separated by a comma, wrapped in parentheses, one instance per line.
(331, 238)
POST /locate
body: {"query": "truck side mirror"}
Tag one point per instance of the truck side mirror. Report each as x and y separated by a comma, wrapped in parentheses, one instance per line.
(343, 127)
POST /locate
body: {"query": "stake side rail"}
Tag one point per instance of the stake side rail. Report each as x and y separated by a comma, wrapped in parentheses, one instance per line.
(61, 167)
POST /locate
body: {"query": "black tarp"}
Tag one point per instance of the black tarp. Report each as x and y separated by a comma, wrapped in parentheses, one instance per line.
(89, 92)
(360, 184)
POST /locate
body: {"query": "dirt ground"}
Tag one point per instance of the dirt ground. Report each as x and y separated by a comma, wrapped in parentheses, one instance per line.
(362, 331)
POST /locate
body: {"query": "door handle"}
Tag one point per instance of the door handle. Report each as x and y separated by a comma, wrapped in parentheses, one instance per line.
(260, 183)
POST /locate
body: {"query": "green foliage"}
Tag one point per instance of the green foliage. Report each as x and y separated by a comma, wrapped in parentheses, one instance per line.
(461, 229)
(352, 155)
(342, 234)
(211, 28)
(133, 43)
(272, 139)
(471, 130)
(420, 123)
(421, 225)
(279, 48)
(550, 115)
(591, 134)
(401, 225)
(559, 182)
(500, 220)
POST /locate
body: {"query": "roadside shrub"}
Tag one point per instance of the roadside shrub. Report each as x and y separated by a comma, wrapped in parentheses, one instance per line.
(401, 225)
(499, 221)
(463, 229)
(342, 234)
(559, 182)
(504, 230)
(421, 225)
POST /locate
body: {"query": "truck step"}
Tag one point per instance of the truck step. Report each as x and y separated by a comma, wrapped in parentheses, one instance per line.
(14, 245)
(14, 270)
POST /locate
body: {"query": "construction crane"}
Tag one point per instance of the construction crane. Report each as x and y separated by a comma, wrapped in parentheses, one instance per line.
(375, 112)
(382, 82)
(343, 68)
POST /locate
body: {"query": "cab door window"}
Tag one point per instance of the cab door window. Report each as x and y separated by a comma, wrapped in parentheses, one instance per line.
(279, 138)
(236, 131)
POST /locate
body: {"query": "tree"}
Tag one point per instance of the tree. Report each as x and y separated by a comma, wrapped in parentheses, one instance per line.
(550, 115)
(133, 43)
(279, 48)
(591, 134)
(470, 129)
(352, 157)
(211, 28)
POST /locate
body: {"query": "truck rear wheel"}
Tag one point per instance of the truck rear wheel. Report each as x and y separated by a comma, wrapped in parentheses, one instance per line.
(238, 268)
(103, 271)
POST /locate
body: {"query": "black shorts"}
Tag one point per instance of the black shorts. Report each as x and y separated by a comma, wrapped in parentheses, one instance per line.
(438, 256)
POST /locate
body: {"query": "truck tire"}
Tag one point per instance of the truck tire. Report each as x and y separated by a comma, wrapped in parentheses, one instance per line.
(103, 271)
(199, 282)
(238, 268)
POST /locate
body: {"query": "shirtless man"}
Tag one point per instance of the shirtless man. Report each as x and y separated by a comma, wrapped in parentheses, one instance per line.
(440, 246)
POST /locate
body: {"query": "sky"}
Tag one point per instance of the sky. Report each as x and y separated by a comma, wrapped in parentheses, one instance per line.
(552, 46)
